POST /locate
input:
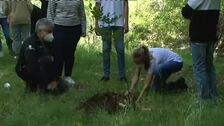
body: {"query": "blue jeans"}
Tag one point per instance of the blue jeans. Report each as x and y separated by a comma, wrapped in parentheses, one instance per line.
(19, 34)
(163, 72)
(115, 34)
(204, 69)
(5, 29)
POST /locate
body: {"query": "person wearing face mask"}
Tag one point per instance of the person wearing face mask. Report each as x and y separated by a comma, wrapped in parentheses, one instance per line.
(35, 62)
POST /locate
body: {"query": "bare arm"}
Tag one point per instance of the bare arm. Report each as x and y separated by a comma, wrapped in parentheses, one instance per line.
(126, 16)
(135, 79)
(148, 80)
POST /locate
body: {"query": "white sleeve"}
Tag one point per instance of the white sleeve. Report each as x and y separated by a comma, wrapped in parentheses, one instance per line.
(195, 3)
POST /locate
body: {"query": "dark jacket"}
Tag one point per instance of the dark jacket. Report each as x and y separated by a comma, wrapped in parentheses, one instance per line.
(203, 16)
(35, 62)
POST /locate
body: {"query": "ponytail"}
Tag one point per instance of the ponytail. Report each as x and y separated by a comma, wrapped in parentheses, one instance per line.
(144, 55)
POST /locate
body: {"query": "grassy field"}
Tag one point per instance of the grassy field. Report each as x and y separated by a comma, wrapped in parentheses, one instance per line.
(20, 109)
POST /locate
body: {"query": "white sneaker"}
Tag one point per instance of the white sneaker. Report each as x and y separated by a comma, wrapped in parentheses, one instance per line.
(1, 54)
(69, 81)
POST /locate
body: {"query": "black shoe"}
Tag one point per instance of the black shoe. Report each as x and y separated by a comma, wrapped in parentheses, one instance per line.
(105, 79)
(124, 79)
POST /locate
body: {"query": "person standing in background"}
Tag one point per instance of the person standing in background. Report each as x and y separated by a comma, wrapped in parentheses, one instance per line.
(44, 5)
(35, 16)
(117, 12)
(5, 29)
(70, 24)
(19, 18)
(203, 16)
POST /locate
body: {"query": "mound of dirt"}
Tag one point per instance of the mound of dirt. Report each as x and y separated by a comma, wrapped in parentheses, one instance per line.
(108, 101)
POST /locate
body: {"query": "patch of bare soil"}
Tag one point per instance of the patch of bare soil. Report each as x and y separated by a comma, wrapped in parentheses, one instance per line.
(108, 101)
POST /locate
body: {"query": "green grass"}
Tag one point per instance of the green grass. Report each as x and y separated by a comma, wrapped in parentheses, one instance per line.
(20, 109)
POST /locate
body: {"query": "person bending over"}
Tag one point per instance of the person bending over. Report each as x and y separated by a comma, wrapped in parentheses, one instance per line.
(35, 62)
(159, 63)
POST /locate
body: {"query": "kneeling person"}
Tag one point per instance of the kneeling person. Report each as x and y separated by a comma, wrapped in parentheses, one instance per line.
(159, 63)
(35, 62)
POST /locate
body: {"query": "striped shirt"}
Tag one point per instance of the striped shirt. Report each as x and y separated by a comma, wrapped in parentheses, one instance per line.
(67, 13)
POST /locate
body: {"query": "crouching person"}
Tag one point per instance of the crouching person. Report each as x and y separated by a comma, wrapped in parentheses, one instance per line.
(35, 62)
(159, 63)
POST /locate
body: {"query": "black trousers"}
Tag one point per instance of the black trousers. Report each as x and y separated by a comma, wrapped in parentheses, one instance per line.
(66, 39)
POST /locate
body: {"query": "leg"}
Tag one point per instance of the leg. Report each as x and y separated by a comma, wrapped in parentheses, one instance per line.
(25, 32)
(1, 46)
(0, 39)
(211, 71)
(60, 37)
(200, 70)
(168, 68)
(17, 40)
(73, 38)
(118, 35)
(163, 72)
(59, 49)
(5, 28)
(107, 38)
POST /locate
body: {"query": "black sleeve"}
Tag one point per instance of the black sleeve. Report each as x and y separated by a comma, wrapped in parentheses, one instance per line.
(187, 12)
(21, 62)
(26, 60)
(21, 58)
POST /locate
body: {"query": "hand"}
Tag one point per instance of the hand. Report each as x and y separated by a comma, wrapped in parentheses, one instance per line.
(97, 30)
(83, 35)
(126, 29)
(52, 86)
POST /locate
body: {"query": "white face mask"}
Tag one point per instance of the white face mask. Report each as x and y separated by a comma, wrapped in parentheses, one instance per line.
(49, 38)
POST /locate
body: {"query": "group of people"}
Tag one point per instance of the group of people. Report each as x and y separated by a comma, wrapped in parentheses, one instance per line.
(18, 19)
(46, 58)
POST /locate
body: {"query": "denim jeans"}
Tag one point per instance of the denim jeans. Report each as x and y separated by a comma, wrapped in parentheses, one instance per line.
(204, 69)
(19, 34)
(163, 72)
(5, 29)
(115, 34)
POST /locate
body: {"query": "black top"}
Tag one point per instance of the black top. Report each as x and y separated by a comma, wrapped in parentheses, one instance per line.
(203, 24)
(36, 57)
